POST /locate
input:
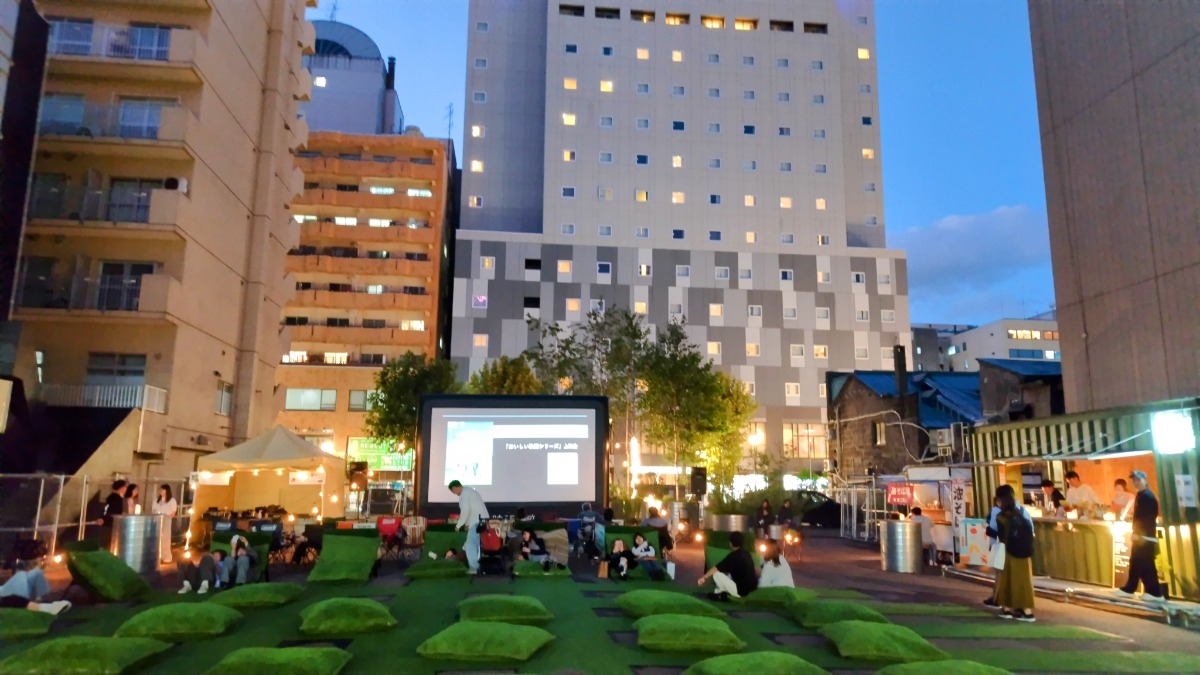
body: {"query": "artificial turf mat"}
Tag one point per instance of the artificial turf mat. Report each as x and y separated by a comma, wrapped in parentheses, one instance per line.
(997, 630)
(923, 609)
(1039, 661)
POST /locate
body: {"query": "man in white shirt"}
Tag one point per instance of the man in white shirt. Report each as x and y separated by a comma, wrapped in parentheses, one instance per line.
(926, 533)
(1080, 494)
(470, 509)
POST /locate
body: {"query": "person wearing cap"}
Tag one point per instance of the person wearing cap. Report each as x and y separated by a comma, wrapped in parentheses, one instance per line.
(470, 509)
(1142, 567)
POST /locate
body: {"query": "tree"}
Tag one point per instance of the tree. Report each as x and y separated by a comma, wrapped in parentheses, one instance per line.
(395, 405)
(724, 455)
(505, 376)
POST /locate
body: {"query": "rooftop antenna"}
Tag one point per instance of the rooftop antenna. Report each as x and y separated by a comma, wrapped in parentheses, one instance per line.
(450, 120)
(333, 11)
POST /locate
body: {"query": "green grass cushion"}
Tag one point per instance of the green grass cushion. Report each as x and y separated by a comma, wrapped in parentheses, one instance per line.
(109, 575)
(686, 633)
(21, 623)
(529, 568)
(469, 641)
(779, 597)
(521, 609)
(952, 666)
(646, 602)
(436, 569)
(82, 656)
(438, 542)
(345, 559)
(289, 660)
(869, 641)
(345, 616)
(258, 595)
(761, 663)
(817, 613)
(180, 621)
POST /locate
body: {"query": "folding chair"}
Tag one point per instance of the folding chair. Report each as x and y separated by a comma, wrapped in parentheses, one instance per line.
(414, 541)
(391, 538)
(315, 538)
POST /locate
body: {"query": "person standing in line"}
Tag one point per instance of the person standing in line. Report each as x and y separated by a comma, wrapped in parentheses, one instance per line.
(166, 506)
(470, 509)
(1014, 590)
(133, 498)
(114, 503)
(1142, 566)
(928, 550)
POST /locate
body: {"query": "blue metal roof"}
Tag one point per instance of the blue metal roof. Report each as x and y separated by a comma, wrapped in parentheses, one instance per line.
(882, 382)
(1030, 368)
(933, 418)
(945, 398)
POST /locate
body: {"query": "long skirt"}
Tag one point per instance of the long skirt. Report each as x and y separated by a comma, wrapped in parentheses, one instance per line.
(1014, 590)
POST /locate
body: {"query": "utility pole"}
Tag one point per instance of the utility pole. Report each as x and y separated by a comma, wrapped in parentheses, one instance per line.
(333, 11)
(450, 118)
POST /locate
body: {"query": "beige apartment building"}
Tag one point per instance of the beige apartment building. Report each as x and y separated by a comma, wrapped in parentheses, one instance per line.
(368, 269)
(153, 266)
(1118, 87)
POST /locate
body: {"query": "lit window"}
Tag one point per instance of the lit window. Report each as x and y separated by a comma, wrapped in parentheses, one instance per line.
(564, 266)
(864, 88)
(785, 202)
(573, 304)
(752, 349)
(320, 81)
(750, 200)
(863, 54)
(568, 155)
(712, 21)
(481, 340)
(677, 56)
(791, 389)
(824, 277)
(677, 198)
(643, 54)
(567, 229)
(379, 222)
(716, 309)
(644, 270)
(714, 349)
(301, 218)
(677, 19)
(345, 220)
(475, 202)
(477, 131)
(820, 352)
(389, 190)
(677, 161)
(751, 237)
(641, 196)
(606, 86)
(745, 24)
(754, 310)
(639, 307)
(476, 167)
(570, 84)
(419, 192)
(822, 240)
(375, 289)
(683, 270)
(797, 351)
(820, 203)
(568, 119)
(487, 262)
(868, 153)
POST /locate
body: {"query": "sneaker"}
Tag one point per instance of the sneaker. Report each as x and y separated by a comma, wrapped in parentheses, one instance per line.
(472, 571)
(561, 566)
(203, 587)
(1154, 599)
(187, 588)
(1006, 615)
(990, 603)
(1023, 616)
(1120, 593)
(545, 565)
(59, 607)
(432, 555)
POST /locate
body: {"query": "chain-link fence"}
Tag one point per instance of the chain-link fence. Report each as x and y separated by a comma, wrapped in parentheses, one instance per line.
(39, 512)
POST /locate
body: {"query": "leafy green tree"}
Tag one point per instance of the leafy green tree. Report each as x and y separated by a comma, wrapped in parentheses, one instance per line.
(505, 376)
(395, 403)
(724, 454)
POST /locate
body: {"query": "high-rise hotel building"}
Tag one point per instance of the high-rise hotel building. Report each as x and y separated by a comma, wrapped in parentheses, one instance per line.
(715, 161)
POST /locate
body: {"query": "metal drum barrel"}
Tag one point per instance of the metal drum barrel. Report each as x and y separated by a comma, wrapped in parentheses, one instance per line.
(135, 540)
(775, 532)
(900, 546)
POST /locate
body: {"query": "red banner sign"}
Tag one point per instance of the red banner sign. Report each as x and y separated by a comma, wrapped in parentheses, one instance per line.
(899, 494)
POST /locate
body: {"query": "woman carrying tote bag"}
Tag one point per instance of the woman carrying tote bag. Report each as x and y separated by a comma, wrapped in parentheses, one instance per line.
(1014, 589)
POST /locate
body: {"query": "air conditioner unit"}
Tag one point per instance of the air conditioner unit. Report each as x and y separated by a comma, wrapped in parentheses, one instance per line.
(177, 184)
(945, 451)
(944, 437)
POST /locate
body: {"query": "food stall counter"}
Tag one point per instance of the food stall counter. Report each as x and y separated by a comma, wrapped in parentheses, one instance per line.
(1084, 550)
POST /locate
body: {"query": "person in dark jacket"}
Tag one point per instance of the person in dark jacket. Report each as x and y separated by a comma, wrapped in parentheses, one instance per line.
(764, 517)
(1142, 566)
(114, 504)
(785, 517)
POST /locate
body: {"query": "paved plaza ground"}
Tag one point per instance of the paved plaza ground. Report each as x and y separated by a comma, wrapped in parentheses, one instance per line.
(592, 635)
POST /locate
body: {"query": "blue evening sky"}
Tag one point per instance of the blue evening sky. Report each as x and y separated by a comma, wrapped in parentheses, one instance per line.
(961, 151)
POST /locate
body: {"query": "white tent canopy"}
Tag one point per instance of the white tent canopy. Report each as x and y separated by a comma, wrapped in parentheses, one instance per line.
(276, 449)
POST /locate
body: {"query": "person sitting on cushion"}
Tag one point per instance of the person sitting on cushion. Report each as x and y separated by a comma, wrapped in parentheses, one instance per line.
(244, 560)
(208, 572)
(775, 571)
(26, 588)
(734, 575)
(643, 552)
(621, 561)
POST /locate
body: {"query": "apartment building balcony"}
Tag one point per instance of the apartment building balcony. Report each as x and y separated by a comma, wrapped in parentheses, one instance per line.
(330, 264)
(362, 301)
(143, 53)
(399, 232)
(398, 169)
(366, 200)
(357, 335)
(150, 399)
(137, 129)
(141, 299)
(55, 209)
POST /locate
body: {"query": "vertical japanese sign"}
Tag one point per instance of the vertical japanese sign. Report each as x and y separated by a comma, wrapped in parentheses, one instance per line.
(958, 510)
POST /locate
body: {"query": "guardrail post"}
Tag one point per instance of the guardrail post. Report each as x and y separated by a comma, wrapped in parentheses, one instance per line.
(37, 514)
(83, 508)
(62, 483)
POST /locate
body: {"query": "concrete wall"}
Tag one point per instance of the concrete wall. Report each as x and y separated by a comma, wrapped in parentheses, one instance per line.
(1118, 87)
(1003, 392)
